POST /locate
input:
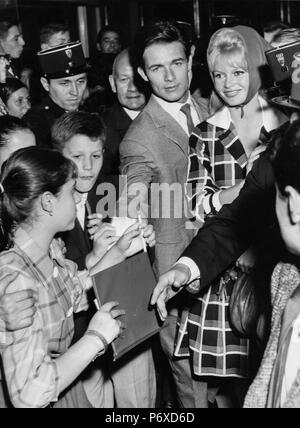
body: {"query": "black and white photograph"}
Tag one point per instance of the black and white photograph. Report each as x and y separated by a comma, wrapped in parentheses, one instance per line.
(150, 206)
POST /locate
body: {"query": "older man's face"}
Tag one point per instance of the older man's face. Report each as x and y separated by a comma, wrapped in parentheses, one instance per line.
(128, 94)
(13, 43)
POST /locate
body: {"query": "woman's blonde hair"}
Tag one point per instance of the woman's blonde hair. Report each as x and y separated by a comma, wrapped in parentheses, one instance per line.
(227, 42)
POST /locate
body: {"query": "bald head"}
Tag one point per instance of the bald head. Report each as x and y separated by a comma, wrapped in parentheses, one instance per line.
(122, 82)
(121, 60)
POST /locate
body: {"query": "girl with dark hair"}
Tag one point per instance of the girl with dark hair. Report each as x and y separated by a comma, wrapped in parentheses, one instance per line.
(38, 201)
(15, 96)
(14, 135)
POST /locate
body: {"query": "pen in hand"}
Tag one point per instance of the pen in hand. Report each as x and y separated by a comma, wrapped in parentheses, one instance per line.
(142, 237)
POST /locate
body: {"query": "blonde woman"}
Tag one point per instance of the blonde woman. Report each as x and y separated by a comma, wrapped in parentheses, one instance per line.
(223, 151)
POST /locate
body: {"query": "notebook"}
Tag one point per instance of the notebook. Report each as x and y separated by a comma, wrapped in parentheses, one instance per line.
(131, 284)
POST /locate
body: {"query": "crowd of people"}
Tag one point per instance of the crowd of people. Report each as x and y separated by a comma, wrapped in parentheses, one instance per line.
(228, 207)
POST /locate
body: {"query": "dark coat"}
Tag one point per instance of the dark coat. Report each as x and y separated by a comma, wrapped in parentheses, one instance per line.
(78, 245)
(117, 122)
(41, 118)
(77, 241)
(154, 151)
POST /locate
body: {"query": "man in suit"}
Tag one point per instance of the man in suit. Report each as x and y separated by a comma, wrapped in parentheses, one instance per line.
(154, 152)
(129, 103)
(64, 78)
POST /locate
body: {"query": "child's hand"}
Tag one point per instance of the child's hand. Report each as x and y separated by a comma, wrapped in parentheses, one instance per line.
(61, 246)
(94, 224)
(103, 239)
(149, 235)
(126, 239)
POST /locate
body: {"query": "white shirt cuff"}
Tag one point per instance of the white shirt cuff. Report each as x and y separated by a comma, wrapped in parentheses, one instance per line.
(195, 272)
(216, 201)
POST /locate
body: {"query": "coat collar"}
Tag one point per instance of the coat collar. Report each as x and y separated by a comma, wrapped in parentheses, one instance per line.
(222, 118)
(49, 104)
(41, 260)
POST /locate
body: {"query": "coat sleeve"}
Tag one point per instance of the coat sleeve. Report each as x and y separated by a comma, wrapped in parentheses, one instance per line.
(203, 188)
(137, 165)
(226, 236)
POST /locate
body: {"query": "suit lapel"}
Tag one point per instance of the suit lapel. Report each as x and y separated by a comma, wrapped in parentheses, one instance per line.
(168, 125)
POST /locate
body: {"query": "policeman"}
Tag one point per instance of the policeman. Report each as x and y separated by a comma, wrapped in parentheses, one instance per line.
(64, 78)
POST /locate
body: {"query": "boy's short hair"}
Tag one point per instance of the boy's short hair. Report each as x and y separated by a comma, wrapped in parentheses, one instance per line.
(48, 30)
(77, 123)
(5, 25)
(9, 125)
(159, 32)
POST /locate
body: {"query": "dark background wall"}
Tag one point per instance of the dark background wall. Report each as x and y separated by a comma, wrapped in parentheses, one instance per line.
(129, 15)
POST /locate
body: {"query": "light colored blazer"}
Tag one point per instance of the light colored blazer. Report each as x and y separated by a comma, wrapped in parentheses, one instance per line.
(154, 151)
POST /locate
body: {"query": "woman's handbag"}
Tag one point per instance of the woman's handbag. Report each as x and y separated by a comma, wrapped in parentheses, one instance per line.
(250, 305)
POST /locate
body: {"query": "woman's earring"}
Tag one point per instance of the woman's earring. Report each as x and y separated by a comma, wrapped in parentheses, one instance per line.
(51, 213)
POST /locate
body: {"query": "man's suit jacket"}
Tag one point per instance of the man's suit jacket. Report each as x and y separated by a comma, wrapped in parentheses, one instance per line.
(155, 150)
(117, 123)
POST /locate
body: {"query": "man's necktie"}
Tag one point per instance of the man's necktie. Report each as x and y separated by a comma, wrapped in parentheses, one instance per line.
(186, 110)
(193, 165)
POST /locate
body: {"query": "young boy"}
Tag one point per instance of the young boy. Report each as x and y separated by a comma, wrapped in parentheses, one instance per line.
(80, 137)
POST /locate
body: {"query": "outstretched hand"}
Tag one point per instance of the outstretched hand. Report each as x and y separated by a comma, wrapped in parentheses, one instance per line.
(169, 284)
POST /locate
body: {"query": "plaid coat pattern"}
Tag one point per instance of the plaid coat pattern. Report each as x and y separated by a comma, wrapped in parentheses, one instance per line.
(29, 355)
(217, 161)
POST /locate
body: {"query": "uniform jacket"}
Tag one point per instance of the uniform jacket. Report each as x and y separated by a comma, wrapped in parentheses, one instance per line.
(41, 118)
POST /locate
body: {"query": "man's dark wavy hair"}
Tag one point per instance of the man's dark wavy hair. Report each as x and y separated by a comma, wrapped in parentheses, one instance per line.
(158, 32)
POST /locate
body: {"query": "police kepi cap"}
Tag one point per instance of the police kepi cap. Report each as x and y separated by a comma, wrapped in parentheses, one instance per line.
(62, 61)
